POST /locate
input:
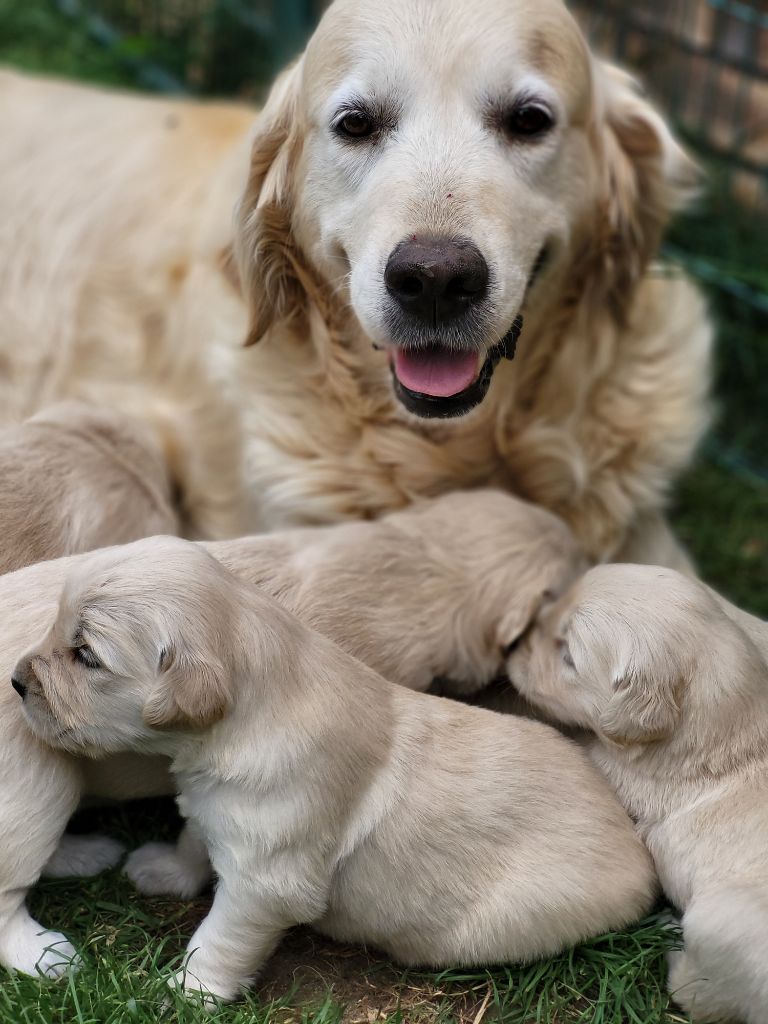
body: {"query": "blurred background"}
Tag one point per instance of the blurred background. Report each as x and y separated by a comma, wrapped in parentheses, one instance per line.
(704, 61)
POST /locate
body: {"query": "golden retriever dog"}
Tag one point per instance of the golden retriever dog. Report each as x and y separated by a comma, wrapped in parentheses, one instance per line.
(426, 174)
(77, 477)
(472, 569)
(676, 692)
(439, 833)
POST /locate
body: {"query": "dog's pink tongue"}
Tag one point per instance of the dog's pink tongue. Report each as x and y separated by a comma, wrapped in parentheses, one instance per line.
(436, 371)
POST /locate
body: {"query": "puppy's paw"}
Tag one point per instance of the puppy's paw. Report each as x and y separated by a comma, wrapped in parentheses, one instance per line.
(158, 869)
(83, 856)
(30, 949)
(198, 991)
(59, 956)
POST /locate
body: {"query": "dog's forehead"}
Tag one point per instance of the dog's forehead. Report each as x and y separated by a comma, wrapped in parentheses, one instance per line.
(448, 44)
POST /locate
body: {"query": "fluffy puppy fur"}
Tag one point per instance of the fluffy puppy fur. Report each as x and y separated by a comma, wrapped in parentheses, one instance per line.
(472, 568)
(439, 590)
(440, 833)
(77, 477)
(123, 277)
(673, 682)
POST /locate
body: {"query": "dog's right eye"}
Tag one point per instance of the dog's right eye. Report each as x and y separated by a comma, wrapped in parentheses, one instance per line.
(355, 125)
(85, 656)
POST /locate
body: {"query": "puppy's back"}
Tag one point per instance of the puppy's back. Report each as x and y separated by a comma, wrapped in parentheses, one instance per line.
(77, 477)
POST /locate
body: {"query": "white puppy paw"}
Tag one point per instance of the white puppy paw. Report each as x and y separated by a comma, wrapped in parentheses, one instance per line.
(197, 991)
(83, 856)
(158, 869)
(27, 947)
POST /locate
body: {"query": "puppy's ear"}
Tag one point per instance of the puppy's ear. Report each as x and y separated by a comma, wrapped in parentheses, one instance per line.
(646, 178)
(643, 707)
(518, 617)
(191, 693)
(265, 252)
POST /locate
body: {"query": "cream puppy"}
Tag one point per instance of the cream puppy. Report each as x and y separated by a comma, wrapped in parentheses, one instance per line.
(675, 686)
(76, 477)
(440, 589)
(439, 833)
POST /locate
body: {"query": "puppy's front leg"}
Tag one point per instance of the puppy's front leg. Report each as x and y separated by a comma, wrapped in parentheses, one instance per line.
(162, 869)
(233, 942)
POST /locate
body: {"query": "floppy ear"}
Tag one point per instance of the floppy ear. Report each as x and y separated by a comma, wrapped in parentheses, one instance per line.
(267, 258)
(516, 619)
(646, 178)
(191, 693)
(643, 707)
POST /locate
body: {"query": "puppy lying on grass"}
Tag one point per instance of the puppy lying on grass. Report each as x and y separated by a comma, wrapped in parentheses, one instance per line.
(440, 833)
(77, 477)
(673, 683)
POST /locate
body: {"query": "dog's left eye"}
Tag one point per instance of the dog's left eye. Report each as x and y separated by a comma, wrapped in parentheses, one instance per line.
(528, 120)
(355, 125)
(85, 656)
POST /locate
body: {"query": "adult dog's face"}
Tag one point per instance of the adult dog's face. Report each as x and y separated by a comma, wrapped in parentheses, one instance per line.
(445, 158)
(429, 159)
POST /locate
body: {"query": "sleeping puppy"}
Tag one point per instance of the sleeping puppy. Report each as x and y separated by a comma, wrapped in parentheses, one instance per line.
(676, 691)
(440, 833)
(77, 477)
(438, 590)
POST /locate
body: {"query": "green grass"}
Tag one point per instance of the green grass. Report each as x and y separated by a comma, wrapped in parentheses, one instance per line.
(129, 942)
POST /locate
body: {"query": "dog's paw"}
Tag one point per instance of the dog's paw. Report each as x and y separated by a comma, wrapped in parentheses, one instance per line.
(58, 958)
(83, 856)
(30, 949)
(196, 991)
(157, 869)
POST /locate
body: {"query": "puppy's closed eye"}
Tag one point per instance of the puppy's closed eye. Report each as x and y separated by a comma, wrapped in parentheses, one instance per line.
(565, 652)
(84, 654)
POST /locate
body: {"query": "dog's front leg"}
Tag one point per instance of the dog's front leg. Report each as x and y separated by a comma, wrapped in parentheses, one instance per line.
(228, 949)
(39, 790)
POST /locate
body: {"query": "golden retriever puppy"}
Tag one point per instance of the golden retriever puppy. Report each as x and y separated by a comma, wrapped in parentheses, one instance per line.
(77, 477)
(439, 590)
(439, 833)
(472, 570)
(676, 692)
(425, 174)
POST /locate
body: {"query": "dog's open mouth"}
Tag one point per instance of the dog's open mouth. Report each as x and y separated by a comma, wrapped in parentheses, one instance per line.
(436, 381)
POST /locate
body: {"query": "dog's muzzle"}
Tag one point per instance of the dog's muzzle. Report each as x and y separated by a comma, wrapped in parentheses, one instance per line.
(445, 407)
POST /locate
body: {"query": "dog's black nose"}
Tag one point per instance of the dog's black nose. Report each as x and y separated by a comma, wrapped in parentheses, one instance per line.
(19, 687)
(436, 279)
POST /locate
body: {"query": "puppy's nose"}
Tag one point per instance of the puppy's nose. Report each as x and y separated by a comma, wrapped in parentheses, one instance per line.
(18, 686)
(436, 279)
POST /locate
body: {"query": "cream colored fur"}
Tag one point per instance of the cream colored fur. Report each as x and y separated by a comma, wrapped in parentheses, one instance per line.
(77, 477)
(116, 234)
(439, 833)
(674, 683)
(468, 572)
(436, 591)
